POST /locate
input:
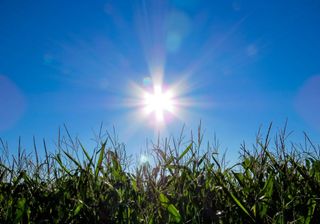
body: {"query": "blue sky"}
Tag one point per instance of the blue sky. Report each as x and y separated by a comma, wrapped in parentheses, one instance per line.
(237, 65)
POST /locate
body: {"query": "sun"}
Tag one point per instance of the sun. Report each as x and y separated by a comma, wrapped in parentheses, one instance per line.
(159, 102)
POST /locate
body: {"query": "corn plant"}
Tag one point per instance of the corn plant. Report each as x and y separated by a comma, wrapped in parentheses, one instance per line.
(276, 181)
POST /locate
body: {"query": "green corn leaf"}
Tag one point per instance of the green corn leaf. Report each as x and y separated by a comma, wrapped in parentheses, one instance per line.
(98, 167)
(240, 178)
(58, 159)
(86, 154)
(115, 162)
(134, 185)
(202, 159)
(185, 151)
(266, 194)
(170, 160)
(72, 159)
(163, 199)
(20, 209)
(237, 201)
(78, 208)
(254, 209)
(311, 207)
(268, 187)
(174, 212)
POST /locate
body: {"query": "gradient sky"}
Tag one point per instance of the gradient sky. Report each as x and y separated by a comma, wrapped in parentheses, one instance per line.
(238, 65)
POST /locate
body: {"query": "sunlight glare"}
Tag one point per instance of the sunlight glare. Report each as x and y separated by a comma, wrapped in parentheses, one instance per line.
(144, 159)
(158, 102)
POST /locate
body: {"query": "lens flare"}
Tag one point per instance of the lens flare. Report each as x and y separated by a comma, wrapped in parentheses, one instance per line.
(144, 159)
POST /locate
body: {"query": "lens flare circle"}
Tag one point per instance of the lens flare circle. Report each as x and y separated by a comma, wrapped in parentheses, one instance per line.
(144, 159)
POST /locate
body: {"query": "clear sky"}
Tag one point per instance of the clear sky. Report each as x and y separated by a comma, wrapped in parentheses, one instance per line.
(235, 65)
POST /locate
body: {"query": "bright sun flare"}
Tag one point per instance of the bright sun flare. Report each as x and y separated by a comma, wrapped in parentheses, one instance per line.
(159, 102)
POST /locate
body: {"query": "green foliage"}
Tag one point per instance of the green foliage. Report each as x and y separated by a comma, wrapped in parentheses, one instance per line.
(271, 183)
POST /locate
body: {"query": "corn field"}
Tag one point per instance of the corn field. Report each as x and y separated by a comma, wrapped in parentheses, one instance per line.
(274, 181)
